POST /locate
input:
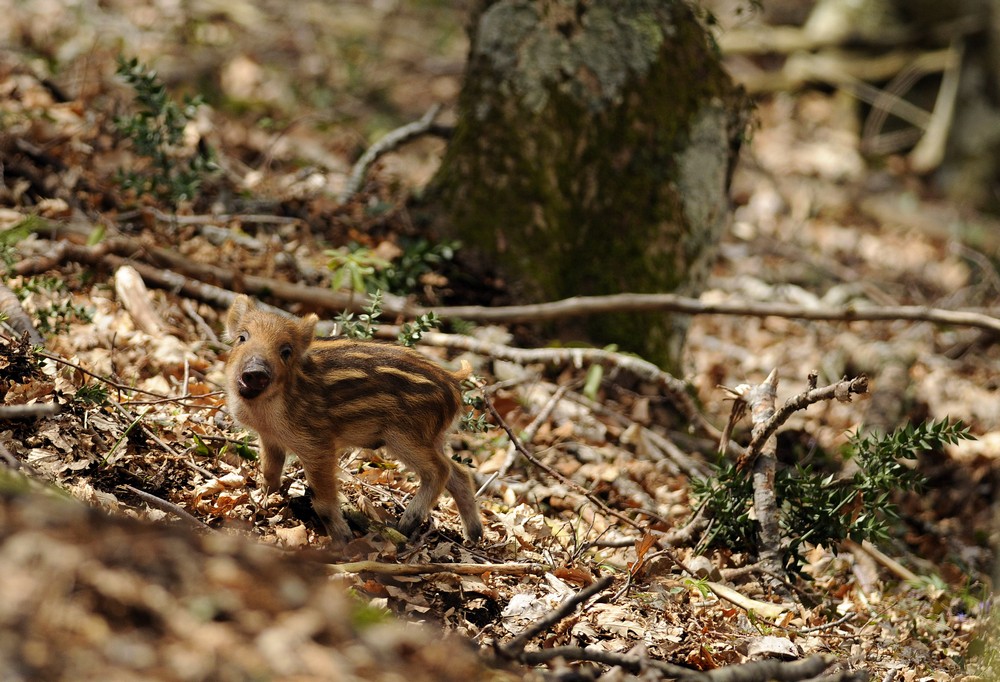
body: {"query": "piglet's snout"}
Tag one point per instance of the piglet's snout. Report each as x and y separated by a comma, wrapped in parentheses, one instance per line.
(254, 378)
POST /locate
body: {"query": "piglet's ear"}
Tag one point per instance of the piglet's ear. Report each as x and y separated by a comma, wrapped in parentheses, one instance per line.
(307, 328)
(242, 304)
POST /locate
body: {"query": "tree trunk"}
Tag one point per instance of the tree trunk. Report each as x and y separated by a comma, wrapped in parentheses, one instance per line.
(592, 155)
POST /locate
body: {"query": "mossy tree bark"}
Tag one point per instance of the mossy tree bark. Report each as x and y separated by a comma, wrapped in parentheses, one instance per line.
(592, 155)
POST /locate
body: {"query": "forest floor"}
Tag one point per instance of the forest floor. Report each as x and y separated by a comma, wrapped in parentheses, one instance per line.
(295, 94)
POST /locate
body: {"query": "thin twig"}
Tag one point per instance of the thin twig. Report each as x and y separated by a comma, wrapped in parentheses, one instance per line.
(188, 462)
(531, 430)
(383, 568)
(502, 423)
(175, 219)
(513, 649)
(156, 397)
(631, 663)
(846, 618)
(169, 507)
(675, 389)
(661, 542)
(203, 327)
(390, 141)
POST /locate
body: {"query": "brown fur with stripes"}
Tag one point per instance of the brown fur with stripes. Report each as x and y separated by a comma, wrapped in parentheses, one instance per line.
(316, 397)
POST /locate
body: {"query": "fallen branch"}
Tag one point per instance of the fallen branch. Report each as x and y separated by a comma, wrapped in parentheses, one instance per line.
(929, 152)
(383, 568)
(580, 306)
(767, 610)
(8, 412)
(134, 297)
(846, 618)
(774, 670)
(896, 568)
(765, 39)
(174, 272)
(838, 69)
(752, 671)
(110, 253)
(211, 219)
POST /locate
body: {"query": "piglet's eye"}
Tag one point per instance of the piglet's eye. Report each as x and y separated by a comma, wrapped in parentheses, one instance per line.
(285, 351)
(241, 338)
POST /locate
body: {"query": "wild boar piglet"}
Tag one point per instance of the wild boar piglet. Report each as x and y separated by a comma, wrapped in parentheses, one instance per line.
(316, 397)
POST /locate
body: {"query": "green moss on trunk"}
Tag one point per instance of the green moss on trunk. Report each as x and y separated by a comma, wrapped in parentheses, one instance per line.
(592, 155)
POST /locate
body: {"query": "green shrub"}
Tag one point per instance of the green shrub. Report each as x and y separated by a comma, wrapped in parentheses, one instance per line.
(821, 509)
(156, 131)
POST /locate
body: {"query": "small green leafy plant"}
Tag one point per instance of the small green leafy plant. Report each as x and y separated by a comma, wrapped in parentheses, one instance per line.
(475, 419)
(56, 317)
(354, 267)
(411, 332)
(364, 327)
(822, 509)
(404, 275)
(91, 395)
(357, 267)
(156, 131)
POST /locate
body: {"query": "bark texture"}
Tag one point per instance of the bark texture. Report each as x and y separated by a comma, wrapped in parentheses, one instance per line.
(592, 155)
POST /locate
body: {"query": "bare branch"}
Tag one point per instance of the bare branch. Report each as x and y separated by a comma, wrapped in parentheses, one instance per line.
(391, 141)
(760, 399)
(675, 389)
(841, 390)
(772, 669)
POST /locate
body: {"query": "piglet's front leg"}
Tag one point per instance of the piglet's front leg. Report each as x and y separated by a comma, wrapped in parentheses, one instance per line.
(322, 478)
(272, 461)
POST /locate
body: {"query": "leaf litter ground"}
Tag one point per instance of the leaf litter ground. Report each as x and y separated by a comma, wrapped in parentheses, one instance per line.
(800, 235)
